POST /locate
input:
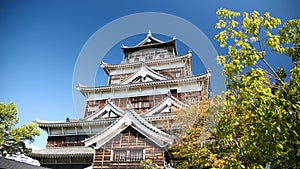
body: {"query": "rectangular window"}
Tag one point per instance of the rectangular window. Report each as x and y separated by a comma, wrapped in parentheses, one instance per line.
(146, 104)
(136, 155)
(120, 155)
(128, 155)
(115, 81)
(176, 74)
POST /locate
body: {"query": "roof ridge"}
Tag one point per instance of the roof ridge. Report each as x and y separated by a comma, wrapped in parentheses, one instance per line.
(203, 75)
(145, 40)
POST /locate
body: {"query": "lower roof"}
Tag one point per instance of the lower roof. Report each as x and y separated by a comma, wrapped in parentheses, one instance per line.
(63, 152)
(13, 164)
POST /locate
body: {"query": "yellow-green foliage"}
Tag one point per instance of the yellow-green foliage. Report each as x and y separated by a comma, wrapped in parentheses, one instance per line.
(11, 138)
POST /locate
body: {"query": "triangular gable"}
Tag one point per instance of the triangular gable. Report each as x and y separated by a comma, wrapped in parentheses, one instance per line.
(130, 118)
(109, 110)
(149, 40)
(164, 106)
(144, 74)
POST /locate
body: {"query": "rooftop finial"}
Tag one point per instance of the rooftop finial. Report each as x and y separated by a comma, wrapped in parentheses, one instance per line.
(149, 33)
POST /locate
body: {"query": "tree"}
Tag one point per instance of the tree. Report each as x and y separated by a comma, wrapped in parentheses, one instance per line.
(259, 121)
(11, 138)
(261, 109)
(197, 123)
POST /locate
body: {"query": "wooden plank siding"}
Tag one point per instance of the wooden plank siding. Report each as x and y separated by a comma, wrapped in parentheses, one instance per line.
(128, 140)
(171, 73)
(65, 141)
(144, 103)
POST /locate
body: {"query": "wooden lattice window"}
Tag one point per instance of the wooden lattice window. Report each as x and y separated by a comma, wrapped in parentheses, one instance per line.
(136, 155)
(120, 155)
(128, 155)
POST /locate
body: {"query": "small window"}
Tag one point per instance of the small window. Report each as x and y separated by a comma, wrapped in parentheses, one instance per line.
(146, 104)
(115, 81)
(120, 155)
(136, 155)
(176, 74)
(128, 155)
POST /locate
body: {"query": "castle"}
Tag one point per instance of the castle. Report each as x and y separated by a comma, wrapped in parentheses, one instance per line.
(132, 118)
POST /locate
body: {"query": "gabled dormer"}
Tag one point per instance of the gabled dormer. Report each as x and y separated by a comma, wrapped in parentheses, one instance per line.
(144, 74)
(165, 107)
(150, 48)
(109, 110)
(133, 120)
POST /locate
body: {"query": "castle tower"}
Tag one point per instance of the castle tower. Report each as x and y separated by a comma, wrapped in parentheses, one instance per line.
(132, 118)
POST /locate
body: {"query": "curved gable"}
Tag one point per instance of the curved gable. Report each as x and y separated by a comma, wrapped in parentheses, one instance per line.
(109, 110)
(144, 74)
(164, 106)
(130, 118)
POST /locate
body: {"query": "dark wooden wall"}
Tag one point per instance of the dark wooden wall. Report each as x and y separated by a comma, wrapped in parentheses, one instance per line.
(128, 140)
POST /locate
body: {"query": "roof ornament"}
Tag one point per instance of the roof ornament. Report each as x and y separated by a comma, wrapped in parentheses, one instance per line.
(129, 105)
(149, 33)
(108, 100)
(209, 71)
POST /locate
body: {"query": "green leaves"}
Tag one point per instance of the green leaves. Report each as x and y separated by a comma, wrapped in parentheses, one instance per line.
(262, 115)
(11, 138)
(225, 13)
(289, 38)
(259, 120)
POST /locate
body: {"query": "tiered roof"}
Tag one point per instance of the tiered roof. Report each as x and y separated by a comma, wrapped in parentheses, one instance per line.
(149, 42)
(84, 89)
(63, 152)
(44, 124)
(95, 118)
(150, 63)
(132, 119)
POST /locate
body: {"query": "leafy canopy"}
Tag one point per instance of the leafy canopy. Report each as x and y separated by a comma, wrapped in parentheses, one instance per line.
(259, 121)
(197, 122)
(263, 116)
(12, 138)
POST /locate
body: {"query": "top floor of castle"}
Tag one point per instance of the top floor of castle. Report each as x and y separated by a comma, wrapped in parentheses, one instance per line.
(149, 49)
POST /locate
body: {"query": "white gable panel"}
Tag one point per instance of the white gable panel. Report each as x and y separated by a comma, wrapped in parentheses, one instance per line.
(144, 74)
(109, 110)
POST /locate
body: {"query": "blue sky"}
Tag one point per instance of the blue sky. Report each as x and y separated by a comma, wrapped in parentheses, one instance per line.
(41, 40)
